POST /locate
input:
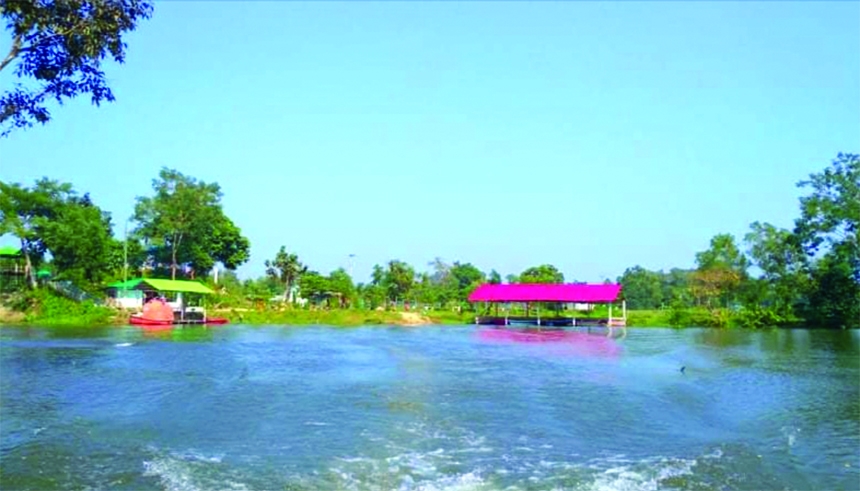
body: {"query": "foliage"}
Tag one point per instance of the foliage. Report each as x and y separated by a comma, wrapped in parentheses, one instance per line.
(50, 217)
(641, 288)
(287, 269)
(314, 286)
(777, 253)
(340, 283)
(545, 273)
(398, 280)
(184, 225)
(45, 307)
(59, 46)
(830, 225)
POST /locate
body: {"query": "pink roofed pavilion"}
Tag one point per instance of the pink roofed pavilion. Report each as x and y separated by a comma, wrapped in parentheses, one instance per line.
(560, 293)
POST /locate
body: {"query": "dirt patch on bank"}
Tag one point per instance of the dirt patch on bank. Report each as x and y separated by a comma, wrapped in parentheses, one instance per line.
(413, 319)
(8, 316)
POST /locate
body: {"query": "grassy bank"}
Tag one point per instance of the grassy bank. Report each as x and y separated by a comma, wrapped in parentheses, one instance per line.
(46, 308)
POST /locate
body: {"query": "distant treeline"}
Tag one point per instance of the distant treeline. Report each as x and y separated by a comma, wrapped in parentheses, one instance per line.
(808, 274)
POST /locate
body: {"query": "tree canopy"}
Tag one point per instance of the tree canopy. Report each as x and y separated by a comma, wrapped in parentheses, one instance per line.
(183, 224)
(57, 51)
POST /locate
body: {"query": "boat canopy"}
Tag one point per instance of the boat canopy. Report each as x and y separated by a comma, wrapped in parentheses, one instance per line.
(9, 251)
(534, 292)
(162, 285)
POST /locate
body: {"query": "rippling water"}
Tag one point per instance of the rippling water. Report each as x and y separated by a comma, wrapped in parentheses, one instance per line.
(276, 408)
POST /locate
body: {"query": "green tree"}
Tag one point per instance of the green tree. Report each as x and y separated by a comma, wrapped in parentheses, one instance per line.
(494, 277)
(341, 284)
(287, 269)
(399, 280)
(60, 45)
(185, 224)
(721, 270)
(314, 286)
(466, 277)
(834, 296)
(829, 229)
(80, 240)
(23, 210)
(642, 289)
(545, 273)
(777, 253)
(830, 214)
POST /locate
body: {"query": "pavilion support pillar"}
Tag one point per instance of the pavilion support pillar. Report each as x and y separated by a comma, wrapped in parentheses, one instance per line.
(610, 315)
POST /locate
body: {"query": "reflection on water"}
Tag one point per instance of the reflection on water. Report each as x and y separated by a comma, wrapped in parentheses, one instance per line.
(237, 407)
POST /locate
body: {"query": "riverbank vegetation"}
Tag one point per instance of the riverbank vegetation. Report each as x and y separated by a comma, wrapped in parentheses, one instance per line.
(807, 275)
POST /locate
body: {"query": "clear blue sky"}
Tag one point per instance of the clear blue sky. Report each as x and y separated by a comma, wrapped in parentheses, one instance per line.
(593, 136)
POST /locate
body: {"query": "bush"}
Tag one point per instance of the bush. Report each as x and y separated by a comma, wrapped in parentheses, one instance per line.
(44, 306)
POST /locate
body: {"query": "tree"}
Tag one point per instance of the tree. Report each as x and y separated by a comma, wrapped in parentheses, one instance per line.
(834, 297)
(777, 253)
(830, 225)
(185, 224)
(287, 269)
(830, 215)
(314, 286)
(340, 283)
(60, 45)
(22, 210)
(642, 289)
(398, 281)
(545, 273)
(466, 277)
(494, 278)
(80, 239)
(722, 267)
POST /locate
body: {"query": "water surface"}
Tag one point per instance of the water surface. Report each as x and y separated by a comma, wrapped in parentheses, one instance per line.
(377, 408)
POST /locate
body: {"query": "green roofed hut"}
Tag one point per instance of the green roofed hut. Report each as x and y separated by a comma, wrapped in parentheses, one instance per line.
(150, 295)
(12, 267)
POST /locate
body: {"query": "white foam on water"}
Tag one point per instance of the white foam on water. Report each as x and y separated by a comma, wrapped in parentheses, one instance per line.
(123, 345)
(189, 471)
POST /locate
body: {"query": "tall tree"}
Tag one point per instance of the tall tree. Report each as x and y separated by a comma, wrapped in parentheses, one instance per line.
(494, 277)
(642, 289)
(59, 45)
(830, 214)
(287, 269)
(829, 229)
(466, 277)
(80, 239)
(545, 273)
(341, 284)
(777, 253)
(721, 269)
(23, 209)
(399, 280)
(185, 224)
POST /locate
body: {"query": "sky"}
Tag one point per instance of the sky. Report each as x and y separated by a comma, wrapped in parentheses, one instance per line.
(594, 136)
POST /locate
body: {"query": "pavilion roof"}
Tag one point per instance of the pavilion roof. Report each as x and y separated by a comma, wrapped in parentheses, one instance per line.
(533, 292)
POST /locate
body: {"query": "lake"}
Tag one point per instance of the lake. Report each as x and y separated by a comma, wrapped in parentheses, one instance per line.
(379, 408)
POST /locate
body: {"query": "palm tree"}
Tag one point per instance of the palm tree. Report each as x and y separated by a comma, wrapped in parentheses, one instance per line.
(287, 269)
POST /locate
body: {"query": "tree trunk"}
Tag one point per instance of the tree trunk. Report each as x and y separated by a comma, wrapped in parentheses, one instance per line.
(29, 277)
(175, 246)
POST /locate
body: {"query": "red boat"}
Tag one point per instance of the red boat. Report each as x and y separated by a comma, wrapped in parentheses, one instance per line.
(157, 312)
(139, 320)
